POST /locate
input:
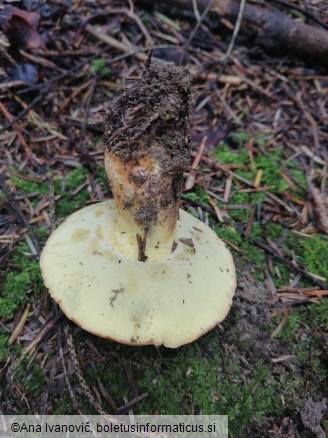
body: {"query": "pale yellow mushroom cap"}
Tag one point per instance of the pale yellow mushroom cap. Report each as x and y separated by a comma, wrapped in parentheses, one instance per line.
(171, 301)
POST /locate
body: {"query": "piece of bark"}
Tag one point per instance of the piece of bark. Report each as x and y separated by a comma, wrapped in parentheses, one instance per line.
(268, 28)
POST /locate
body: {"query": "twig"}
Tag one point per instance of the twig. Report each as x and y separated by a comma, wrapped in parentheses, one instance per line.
(25, 111)
(196, 11)
(199, 22)
(112, 42)
(52, 204)
(103, 390)
(191, 178)
(291, 265)
(68, 100)
(48, 326)
(80, 376)
(20, 325)
(306, 14)
(125, 408)
(68, 383)
(234, 35)
(281, 323)
(88, 104)
(136, 19)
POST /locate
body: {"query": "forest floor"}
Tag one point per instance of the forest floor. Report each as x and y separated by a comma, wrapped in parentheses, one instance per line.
(259, 179)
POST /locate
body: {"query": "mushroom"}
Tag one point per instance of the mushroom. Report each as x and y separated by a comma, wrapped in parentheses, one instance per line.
(137, 269)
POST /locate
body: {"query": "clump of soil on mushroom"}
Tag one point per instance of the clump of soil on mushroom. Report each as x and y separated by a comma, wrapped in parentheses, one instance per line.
(153, 114)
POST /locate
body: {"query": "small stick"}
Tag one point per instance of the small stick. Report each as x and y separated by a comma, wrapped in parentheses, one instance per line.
(112, 42)
(20, 325)
(199, 22)
(306, 14)
(250, 222)
(84, 385)
(68, 383)
(136, 19)
(291, 265)
(52, 204)
(127, 406)
(191, 178)
(235, 34)
(48, 326)
(281, 323)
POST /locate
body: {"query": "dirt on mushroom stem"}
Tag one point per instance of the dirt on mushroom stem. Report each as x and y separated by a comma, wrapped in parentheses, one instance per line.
(147, 150)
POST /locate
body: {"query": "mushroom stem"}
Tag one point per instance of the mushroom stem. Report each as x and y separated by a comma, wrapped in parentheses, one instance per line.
(147, 150)
(147, 203)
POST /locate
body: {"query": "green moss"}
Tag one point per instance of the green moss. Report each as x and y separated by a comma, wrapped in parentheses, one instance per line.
(270, 163)
(115, 380)
(271, 166)
(317, 315)
(188, 383)
(314, 254)
(22, 280)
(101, 177)
(239, 138)
(199, 195)
(15, 290)
(258, 398)
(229, 233)
(68, 203)
(297, 173)
(41, 233)
(24, 187)
(290, 328)
(3, 346)
(63, 405)
(26, 373)
(227, 156)
(73, 179)
(325, 426)
(99, 67)
(308, 347)
(251, 253)
(29, 186)
(66, 206)
(29, 373)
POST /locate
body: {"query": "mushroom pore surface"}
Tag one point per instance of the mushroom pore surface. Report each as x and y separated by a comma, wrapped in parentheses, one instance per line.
(171, 301)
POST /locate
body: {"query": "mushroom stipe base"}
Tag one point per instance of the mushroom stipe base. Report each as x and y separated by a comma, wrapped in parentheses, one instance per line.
(167, 302)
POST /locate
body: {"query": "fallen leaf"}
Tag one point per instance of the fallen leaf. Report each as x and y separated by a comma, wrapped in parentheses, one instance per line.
(20, 27)
(24, 72)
